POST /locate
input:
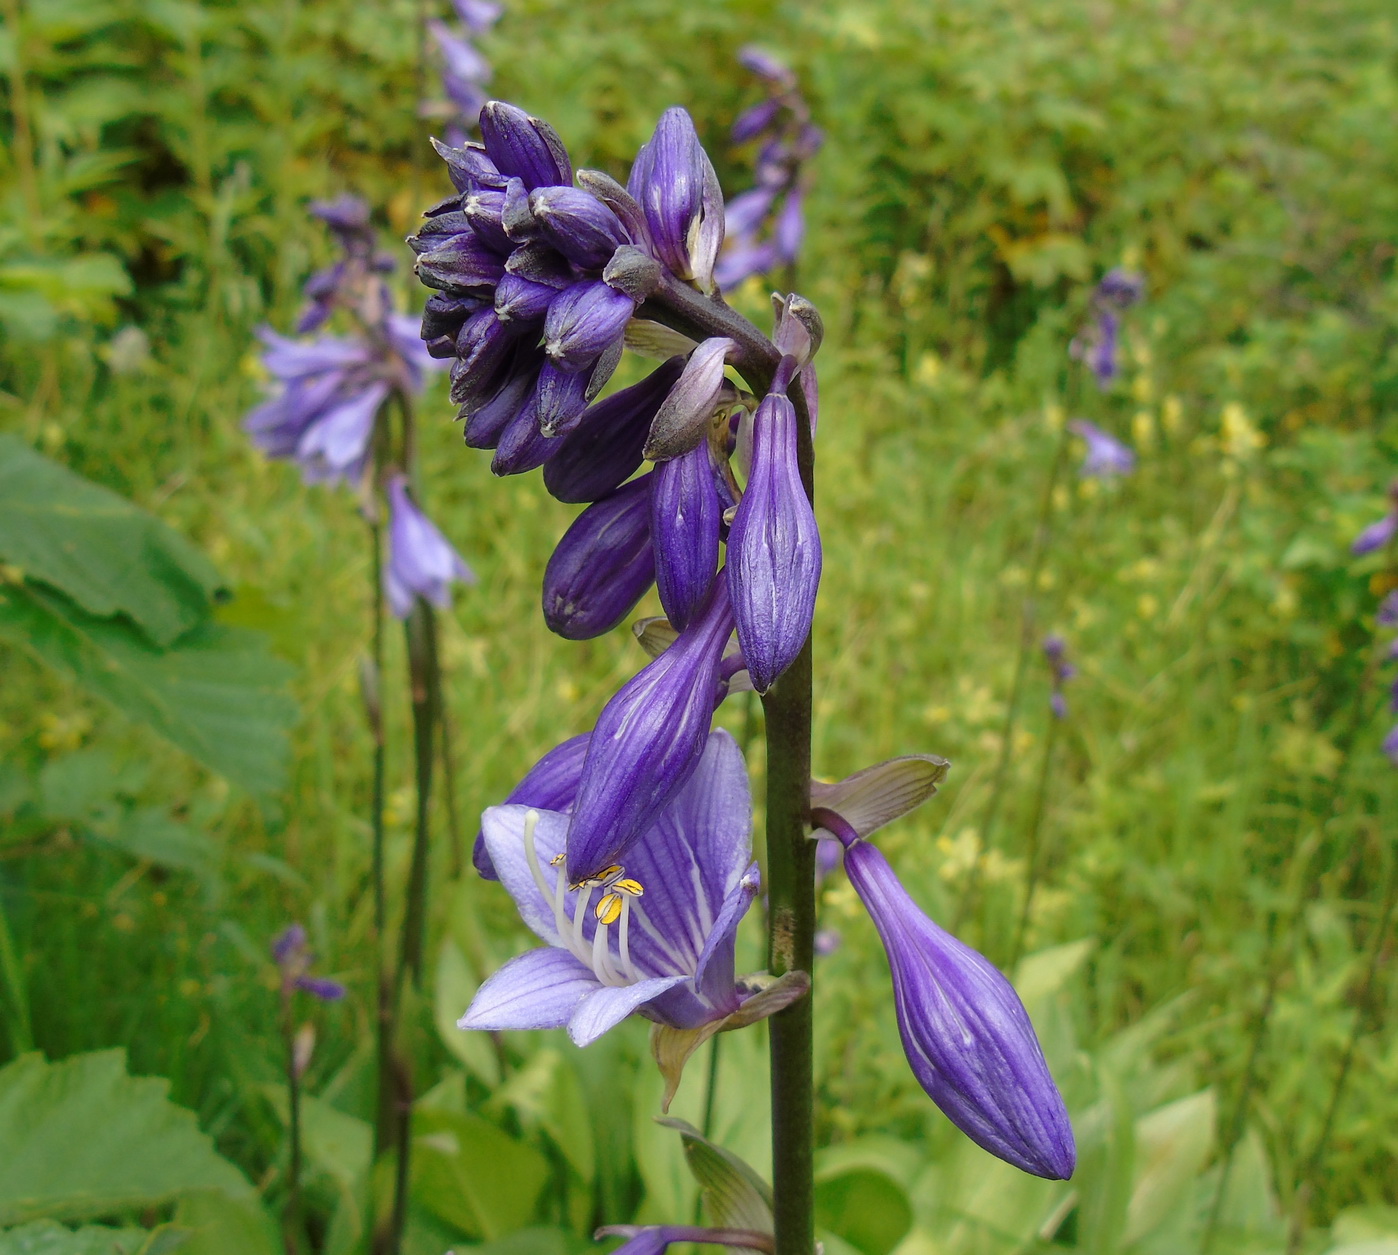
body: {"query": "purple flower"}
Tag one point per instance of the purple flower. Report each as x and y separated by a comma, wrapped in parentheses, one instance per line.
(1387, 615)
(1390, 746)
(1056, 652)
(774, 554)
(655, 937)
(674, 182)
(603, 565)
(647, 741)
(657, 1239)
(1096, 344)
(686, 518)
(294, 959)
(1106, 455)
(966, 1034)
(1376, 535)
(421, 561)
(464, 70)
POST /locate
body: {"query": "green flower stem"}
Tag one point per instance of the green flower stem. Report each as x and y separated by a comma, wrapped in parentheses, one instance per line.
(1033, 852)
(293, 1228)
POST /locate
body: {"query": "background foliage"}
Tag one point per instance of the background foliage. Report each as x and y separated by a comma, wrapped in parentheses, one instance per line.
(1219, 778)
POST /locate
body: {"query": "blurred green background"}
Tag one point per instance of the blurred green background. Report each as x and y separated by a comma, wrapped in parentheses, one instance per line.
(1208, 952)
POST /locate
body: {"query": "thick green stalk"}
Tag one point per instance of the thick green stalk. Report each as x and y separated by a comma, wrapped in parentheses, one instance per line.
(421, 630)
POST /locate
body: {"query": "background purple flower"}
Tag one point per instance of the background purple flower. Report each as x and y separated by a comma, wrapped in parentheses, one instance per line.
(421, 561)
(1106, 455)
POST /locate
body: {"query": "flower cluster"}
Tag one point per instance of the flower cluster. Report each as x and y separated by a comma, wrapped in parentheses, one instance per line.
(1056, 654)
(293, 958)
(331, 394)
(539, 276)
(1106, 456)
(1097, 343)
(465, 72)
(765, 225)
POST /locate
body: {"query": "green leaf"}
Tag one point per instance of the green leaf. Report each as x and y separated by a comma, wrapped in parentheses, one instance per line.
(1172, 1145)
(45, 1237)
(861, 1199)
(471, 1175)
(220, 1225)
(734, 1194)
(218, 695)
(104, 553)
(545, 1094)
(455, 987)
(335, 1143)
(81, 1138)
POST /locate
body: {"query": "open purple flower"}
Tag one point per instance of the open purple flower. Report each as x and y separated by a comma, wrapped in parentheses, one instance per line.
(1106, 455)
(653, 937)
(966, 1034)
(421, 561)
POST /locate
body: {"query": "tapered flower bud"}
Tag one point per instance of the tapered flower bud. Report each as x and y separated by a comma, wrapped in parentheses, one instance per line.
(683, 418)
(578, 225)
(527, 148)
(521, 300)
(634, 271)
(482, 346)
(541, 263)
(966, 1034)
(469, 167)
(523, 447)
(602, 565)
(583, 322)
(516, 217)
(551, 784)
(421, 561)
(460, 260)
(486, 424)
(686, 515)
(442, 318)
(774, 556)
(647, 741)
(675, 184)
(604, 449)
(618, 200)
(563, 395)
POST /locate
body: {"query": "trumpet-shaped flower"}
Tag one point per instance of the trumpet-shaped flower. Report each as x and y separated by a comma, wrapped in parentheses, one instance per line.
(654, 936)
(421, 561)
(1106, 455)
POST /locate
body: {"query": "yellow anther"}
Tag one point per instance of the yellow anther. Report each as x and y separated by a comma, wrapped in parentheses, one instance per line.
(617, 886)
(608, 909)
(633, 887)
(602, 880)
(557, 859)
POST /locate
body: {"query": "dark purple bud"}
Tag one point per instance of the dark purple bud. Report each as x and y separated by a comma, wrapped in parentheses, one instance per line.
(461, 261)
(482, 348)
(604, 449)
(516, 217)
(686, 517)
(618, 200)
(551, 784)
(774, 553)
(602, 566)
(634, 271)
(561, 398)
(523, 447)
(487, 423)
(966, 1034)
(525, 147)
(674, 183)
(682, 420)
(441, 227)
(469, 167)
(521, 300)
(1375, 536)
(541, 263)
(752, 122)
(578, 225)
(657, 1239)
(483, 210)
(442, 318)
(647, 741)
(583, 322)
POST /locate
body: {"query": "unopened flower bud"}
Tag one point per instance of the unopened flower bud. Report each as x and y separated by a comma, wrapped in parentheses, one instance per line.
(525, 147)
(685, 517)
(551, 784)
(602, 566)
(674, 183)
(578, 225)
(583, 322)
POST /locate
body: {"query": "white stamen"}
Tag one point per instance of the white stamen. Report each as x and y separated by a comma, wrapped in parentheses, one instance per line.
(628, 969)
(679, 961)
(531, 853)
(579, 915)
(601, 965)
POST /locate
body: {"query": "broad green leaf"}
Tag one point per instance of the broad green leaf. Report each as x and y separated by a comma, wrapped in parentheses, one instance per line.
(545, 1094)
(81, 1138)
(149, 833)
(216, 1224)
(45, 1237)
(1172, 1146)
(455, 987)
(1365, 1224)
(104, 553)
(334, 1142)
(735, 1196)
(217, 695)
(471, 1175)
(866, 1207)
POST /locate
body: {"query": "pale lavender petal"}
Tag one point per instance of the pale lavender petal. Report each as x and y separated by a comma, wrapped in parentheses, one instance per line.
(504, 828)
(606, 1007)
(1375, 536)
(537, 989)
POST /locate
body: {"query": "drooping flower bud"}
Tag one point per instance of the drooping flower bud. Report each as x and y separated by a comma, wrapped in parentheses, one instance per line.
(683, 417)
(459, 260)
(604, 449)
(469, 167)
(562, 395)
(647, 741)
(521, 300)
(602, 566)
(421, 561)
(578, 225)
(966, 1034)
(685, 516)
(583, 322)
(774, 554)
(485, 424)
(525, 147)
(551, 784)
(675, 184)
